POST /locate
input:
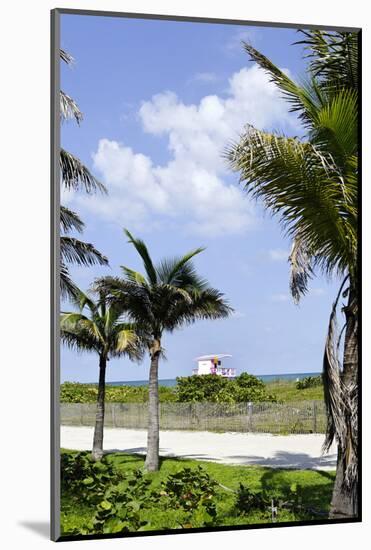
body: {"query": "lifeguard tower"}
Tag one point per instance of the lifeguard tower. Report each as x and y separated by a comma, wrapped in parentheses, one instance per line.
(212, 364)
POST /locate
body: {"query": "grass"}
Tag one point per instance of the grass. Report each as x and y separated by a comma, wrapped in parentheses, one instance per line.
(285, 391)
(71, 392)
(313, 487)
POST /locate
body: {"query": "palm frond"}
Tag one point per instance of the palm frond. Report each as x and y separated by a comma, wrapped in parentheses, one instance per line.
(69, 108)
(133, 276)
(180, 271)
(67, 287)
(77, 327)
(66, 57)
(80, 253)
(75, 174)
(333, 56)
(332, 383)
(78, 342)
(144, 254)
(336, 127)
(82, 300)
(301, 98)
(301, 269)
(70, 220)
(303, 187)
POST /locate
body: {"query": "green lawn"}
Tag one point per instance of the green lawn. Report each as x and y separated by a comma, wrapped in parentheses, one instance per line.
(313, 488)
(285, 391)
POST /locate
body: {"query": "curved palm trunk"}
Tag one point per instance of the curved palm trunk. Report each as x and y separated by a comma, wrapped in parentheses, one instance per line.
(97, 452)
(344, 503)
(153, 436)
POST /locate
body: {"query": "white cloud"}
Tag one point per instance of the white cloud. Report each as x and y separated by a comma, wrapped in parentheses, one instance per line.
(278, 255)
(190, 190)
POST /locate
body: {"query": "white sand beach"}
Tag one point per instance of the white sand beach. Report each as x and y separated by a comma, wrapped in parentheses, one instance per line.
(288, 451)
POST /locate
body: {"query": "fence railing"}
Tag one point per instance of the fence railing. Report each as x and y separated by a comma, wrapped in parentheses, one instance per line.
(301, 417)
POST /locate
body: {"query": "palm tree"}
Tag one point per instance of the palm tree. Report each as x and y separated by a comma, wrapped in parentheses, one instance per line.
(102, 331)
(169, 296)
(74, 175)
(311, 185)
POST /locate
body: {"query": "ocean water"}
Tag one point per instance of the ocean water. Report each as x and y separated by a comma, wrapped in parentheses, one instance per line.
(170, 382)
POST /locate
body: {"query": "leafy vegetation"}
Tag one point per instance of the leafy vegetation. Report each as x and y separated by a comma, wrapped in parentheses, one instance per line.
(75, 392)
(186, 493)
(309, 382)
(283, 391)
(85, 479)
(216, 389)
(286, 392)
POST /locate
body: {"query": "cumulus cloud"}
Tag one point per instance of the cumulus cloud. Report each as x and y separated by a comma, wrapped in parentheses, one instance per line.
(193, 189)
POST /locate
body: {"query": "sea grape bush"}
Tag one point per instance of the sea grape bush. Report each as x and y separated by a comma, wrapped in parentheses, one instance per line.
(216, 389)
(85, 479)
(75, 392)
(189, 389)
(309, 382)
(193, 491)
(248, 500)
(121, 509)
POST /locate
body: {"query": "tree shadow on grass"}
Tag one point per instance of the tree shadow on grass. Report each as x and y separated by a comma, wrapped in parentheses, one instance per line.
(314, 492)
(282, 459)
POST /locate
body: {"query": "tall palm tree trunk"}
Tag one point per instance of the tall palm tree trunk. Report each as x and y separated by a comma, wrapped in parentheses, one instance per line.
(99, 418)
(153, 436)
(344, 502)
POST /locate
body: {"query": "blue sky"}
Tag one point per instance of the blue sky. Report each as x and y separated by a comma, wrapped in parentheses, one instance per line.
(161, 101)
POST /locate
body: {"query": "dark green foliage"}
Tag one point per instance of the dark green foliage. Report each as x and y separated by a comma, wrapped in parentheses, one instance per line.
(295, 493)
(309, 382)
(74, 392)
(193, 491)
(248, 500)
(120, 510)
(216, 389)
(85, 479)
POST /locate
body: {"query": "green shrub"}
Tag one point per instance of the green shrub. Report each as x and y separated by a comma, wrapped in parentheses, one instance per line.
(193, 491)
(248, 500)
(216, 389)
(74, 392)
(309, 382)
(120, 511)
(85, 479)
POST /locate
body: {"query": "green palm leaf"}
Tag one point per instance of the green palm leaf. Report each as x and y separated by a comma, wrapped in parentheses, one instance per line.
(80, 253)
(70, 220)
(144, 254)
(75, 174)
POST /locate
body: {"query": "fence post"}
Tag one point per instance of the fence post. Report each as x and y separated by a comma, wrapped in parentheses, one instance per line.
(82, 414)
(249, 416)
(314, 417)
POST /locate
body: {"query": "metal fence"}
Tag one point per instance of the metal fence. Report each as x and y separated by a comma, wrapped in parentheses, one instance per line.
(276, 418)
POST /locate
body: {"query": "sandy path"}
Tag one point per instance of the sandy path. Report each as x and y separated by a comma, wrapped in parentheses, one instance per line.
(289, 451)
